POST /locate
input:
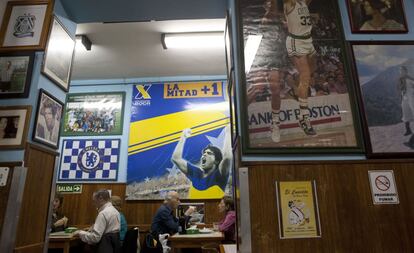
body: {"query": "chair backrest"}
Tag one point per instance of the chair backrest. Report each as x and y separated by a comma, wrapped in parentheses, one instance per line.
(109, 243)
(131, 241)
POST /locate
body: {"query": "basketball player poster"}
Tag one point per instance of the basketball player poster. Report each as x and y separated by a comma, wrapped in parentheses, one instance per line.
(297, 93)
(179, 140)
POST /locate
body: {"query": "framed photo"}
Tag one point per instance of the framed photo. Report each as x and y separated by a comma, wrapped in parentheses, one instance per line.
(233, 105)
(377, 16)
(25, 25)
(16, 74)
(94, 114)
(48, 118)
(385, 73)
(228, 45)
(60, 49)
(14, 123)
(297, 89)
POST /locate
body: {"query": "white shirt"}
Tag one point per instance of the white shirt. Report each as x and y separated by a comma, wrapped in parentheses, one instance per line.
(107, 221)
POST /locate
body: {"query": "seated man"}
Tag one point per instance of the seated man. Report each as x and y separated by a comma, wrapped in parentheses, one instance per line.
(105, 232)
(164, 221)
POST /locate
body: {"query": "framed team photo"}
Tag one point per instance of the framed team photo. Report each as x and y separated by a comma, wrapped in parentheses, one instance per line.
(57, 65)
(297, 88)
(48, 118)
(25, 25)
(16, 74)
(385, 73)
(14, 124)
(377, 16)
(94, 114)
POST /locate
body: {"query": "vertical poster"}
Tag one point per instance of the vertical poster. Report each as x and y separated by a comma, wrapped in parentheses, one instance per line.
(298, 209)
(179, 140)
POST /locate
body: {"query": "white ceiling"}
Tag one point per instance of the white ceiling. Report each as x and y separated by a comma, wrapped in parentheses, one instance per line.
(134, 50)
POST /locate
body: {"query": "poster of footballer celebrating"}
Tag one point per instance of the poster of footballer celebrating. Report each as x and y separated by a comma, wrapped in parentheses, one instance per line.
(296, 83)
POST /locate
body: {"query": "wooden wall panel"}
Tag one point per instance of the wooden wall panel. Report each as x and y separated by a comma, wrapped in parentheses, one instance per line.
(350, 222)
(80, 211)
(36, 197)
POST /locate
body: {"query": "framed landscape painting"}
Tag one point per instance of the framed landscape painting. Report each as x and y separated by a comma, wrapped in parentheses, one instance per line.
(377, 16)
(16, 74)
(57, 65)
(296, 85)
(25, 25)
(94, 114)
(385, 73)
(14, 124)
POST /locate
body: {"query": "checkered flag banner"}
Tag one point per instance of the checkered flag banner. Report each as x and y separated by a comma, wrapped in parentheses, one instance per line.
(89, 160)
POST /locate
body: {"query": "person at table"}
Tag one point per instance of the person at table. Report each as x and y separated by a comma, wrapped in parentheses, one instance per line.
(59, 221)
(104, 233)
(228, 224)
(117, 203)
(164, 221)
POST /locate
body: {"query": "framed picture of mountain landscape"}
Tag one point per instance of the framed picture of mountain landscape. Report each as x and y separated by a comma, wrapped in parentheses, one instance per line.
(385, 73)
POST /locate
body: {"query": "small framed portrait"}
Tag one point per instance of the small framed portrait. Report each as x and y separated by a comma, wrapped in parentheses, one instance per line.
(14, 123)
(48, 118)
(60, 49)
(25, 25)
(385, 73)
(16, 74)
(377, 16)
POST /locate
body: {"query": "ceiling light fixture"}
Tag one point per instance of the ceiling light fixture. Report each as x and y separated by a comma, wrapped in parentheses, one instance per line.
(84, 40)
(192, 40)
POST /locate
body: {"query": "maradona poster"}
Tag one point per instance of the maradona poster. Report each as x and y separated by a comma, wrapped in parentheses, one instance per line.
(179, 140)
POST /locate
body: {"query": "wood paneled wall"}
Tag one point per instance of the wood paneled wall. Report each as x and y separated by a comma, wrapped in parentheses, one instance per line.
(81, 213)
(350, 222)
(36, 198)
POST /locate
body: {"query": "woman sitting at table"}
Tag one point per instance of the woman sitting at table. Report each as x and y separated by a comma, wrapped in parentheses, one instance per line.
(117, 202)
(59, 221)
(228, 224)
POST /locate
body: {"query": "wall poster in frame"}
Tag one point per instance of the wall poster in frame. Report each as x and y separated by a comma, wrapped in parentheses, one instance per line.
(385, 73)
(25, 25)
(57, 64)
(297, 94)
(231, 81)
(48, 119)
(14, 124)
(16, 74)
(93, 114)
(377, 16)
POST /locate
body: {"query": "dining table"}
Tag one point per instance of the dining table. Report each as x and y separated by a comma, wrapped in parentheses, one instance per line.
(180, 241)
(62, 240)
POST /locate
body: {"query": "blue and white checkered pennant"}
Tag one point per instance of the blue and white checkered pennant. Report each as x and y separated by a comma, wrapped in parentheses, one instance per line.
(89, 160)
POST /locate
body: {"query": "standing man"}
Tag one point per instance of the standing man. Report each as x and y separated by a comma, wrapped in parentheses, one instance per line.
(300, 49)
(105, 232)
(48, 129)
(6, 76)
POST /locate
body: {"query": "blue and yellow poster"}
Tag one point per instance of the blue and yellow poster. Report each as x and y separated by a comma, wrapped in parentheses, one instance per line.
(179, 140)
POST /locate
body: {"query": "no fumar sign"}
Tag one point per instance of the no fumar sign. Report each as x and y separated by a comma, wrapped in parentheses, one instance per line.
(383, 188)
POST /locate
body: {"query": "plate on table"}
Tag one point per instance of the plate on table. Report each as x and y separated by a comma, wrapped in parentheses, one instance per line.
(206, 231)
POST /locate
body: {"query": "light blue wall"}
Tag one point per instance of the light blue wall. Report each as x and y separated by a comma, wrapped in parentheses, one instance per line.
(38, 81)
(125, 85)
